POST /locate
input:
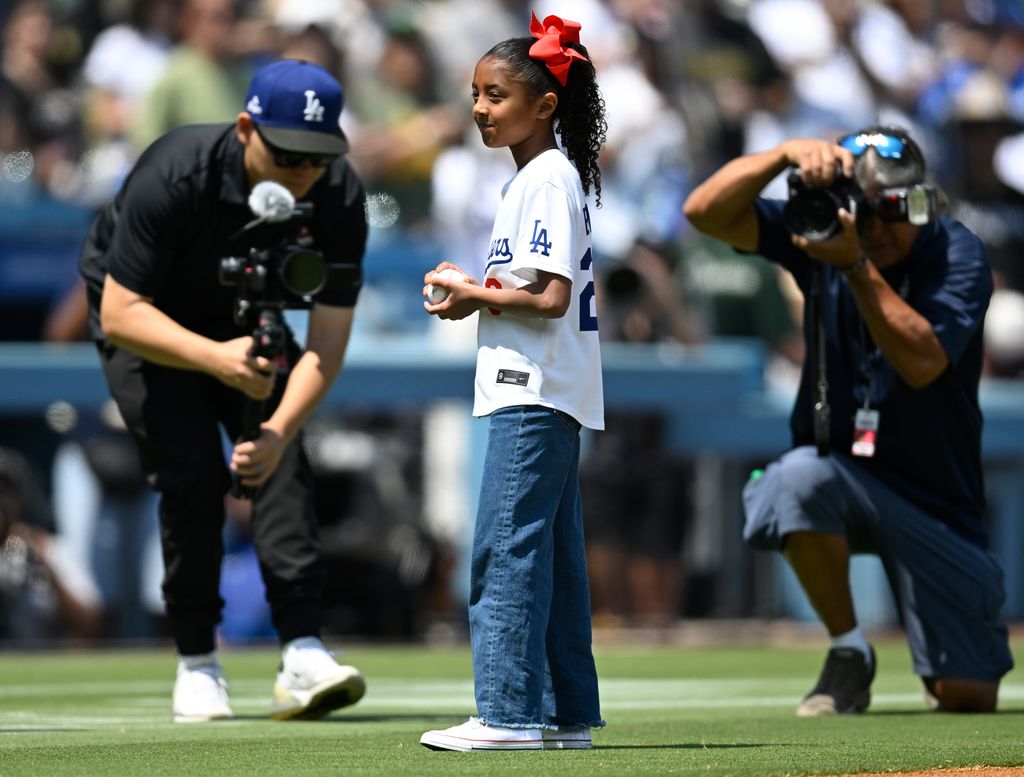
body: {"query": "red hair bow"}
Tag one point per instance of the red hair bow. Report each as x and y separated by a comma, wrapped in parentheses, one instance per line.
(550, 47)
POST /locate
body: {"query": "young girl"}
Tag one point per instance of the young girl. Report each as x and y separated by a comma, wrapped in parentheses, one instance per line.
(538, 377)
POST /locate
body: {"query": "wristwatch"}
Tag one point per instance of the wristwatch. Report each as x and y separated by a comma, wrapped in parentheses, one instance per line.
(855, 267)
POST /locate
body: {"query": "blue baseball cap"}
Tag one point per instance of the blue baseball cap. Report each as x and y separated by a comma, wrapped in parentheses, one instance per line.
(297, 106)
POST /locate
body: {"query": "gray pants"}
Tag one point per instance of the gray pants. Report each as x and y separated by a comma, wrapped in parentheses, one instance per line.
(948, 590)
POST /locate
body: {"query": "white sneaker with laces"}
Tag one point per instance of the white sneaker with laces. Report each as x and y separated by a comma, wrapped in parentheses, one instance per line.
(200, 694)
(475, 735)
(567, 739)
(311, 683)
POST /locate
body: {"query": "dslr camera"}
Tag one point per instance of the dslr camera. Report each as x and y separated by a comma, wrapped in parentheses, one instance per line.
(813, 211)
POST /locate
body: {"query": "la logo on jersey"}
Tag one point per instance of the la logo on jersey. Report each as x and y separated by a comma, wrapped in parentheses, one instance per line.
(314, 110)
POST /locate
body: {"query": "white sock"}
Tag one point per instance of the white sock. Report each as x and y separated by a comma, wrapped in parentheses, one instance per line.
(302, 643)
(201, 660)
(854, 638)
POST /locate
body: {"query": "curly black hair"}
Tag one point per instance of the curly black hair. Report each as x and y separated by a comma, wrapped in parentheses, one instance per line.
(580, 116)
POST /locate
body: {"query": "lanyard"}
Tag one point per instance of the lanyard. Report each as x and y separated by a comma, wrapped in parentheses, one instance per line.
(867, 359)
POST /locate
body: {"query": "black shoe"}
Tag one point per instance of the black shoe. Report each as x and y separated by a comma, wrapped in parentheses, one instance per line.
(844, 687)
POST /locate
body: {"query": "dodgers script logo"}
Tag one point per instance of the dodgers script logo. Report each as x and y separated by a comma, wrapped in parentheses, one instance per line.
(314, 110)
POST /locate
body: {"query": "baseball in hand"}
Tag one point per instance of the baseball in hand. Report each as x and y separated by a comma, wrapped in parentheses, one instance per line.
(437, 294)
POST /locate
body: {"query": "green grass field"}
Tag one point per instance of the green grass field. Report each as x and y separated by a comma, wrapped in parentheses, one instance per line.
(671, 710)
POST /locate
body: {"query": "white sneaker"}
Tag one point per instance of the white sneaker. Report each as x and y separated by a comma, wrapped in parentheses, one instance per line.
(474, 735)
(311, 683)
(567, 739)
(200, 694)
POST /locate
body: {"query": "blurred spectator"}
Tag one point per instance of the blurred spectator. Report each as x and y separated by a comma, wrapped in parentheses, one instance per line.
(25, 72)
(114, 94)
(637, 506)
(44, 595)
(203, 75)
(404, 122)
(738, 295)
(716, 69)
(1004, 335)
(456, 54)
(102, 503)
(801, 37)
(106, 510)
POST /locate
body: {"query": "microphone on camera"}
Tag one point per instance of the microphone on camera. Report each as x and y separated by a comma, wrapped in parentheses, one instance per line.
(271, 202)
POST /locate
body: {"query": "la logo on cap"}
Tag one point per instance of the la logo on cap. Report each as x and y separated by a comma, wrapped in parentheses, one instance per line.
(314, 109)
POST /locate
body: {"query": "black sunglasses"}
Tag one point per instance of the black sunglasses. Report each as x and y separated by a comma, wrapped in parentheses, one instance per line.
(283, 158)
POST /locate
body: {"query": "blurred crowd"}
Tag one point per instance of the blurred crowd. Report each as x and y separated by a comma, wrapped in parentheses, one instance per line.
(85, 85)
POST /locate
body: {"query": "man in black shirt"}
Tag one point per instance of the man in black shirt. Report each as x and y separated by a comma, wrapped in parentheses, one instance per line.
(180, 367)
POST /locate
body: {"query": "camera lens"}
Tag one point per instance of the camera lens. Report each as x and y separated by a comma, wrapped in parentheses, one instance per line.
(303, 272)
(812, 214)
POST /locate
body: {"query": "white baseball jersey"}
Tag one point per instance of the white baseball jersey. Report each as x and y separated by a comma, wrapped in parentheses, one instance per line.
(542, 224)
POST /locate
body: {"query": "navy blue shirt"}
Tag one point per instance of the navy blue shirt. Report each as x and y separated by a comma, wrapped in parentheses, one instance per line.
(928, 445)
(179, 212)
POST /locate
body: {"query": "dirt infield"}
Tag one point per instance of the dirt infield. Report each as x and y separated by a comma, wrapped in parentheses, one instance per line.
(969, 771)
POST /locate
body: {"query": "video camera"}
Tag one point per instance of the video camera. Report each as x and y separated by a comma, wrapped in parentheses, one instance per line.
(813, 211)
(269, 280)
(280, 276)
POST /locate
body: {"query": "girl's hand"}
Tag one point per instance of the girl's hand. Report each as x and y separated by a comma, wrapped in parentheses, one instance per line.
(446, 266)
(462, 300)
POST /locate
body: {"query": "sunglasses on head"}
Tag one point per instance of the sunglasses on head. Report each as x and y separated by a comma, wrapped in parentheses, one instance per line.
(885, 145)
(283, 158)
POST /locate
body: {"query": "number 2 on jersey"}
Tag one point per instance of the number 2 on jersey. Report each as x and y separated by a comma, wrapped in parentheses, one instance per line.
(588, 320)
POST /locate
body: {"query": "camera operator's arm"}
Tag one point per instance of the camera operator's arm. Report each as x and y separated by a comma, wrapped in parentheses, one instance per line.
(310, 379)
(131, 321)
(723, 205)
(904, 336)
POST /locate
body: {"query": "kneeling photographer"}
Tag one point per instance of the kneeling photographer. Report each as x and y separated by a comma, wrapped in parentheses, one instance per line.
(185, 293)
(886, 427)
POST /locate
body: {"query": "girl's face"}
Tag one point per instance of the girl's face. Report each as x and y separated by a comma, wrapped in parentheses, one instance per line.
(507, 116)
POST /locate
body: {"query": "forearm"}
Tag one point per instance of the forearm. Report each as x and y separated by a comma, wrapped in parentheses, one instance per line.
(315, 371)
(903, 335)
(308, 384)
(547, 298)
(722, 205)
(142, 328)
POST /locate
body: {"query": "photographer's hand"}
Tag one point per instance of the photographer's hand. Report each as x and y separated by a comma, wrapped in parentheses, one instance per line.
(254, 461)
(842, 250)
(238, 368)
(818, 160)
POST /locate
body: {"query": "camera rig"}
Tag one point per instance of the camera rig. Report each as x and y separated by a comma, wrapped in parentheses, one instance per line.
(270, 279)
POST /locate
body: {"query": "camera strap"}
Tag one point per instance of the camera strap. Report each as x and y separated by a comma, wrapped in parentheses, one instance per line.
(822, 411)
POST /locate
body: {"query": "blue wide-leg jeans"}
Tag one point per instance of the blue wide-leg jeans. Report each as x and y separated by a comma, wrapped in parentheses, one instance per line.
(529, 606)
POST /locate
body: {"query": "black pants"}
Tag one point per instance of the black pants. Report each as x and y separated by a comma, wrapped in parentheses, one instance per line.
(174, 416)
